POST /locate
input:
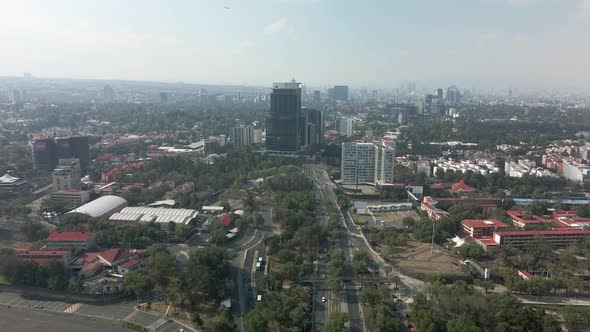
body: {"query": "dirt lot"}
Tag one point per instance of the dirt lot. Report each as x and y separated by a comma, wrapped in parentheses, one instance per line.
(416, 260)
(395, 218)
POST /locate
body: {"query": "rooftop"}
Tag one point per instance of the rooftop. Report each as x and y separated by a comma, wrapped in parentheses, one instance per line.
(484, 223)
(69, 236)
(556, 231)
(101, 206)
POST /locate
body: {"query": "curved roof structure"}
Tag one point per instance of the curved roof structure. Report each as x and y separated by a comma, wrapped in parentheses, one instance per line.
(7, 178)
(101, 206)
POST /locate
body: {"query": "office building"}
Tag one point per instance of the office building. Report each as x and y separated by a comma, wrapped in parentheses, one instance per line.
(74, 147)
(313, 134)
(283, 118)
(368, 162)
(67, 175)
(44, 153)
(70, 198)
(557, 237)
(242, 135)
(340, 92)
(478, 227)
(109, 94)
(439, 93)
(344, 126)
(453, 95)
(317, 96)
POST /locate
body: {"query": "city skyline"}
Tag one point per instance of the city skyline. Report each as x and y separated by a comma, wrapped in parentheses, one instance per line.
(325, 42)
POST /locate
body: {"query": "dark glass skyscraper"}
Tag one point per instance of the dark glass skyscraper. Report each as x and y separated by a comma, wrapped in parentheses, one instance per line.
(46, 152)
(283, 118)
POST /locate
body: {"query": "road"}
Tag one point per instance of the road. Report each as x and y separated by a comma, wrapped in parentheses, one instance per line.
(116, 313)
(247, 278)
(348, 302)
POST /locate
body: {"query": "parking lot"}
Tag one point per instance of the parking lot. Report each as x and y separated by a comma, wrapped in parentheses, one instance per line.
(115, 312)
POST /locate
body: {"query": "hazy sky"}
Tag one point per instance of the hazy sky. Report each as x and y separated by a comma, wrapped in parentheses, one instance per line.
(357, 42)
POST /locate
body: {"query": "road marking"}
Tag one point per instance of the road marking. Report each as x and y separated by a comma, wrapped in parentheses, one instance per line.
(73, 308)
(157, 324)
(14, 299)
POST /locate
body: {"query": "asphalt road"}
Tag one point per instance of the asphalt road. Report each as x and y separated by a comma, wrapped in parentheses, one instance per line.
(114, 312)
(20, 319)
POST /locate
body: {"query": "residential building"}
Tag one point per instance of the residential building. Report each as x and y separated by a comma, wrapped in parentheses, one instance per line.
(368, 162)
(283, 118)
(575, 171)
(257, 136)
(68, 240)
(242, 135)
(424, 168)
(525, 167)
(481, 227)
(345, 126)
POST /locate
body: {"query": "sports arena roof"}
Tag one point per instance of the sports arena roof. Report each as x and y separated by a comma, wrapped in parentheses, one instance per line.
(101, 206)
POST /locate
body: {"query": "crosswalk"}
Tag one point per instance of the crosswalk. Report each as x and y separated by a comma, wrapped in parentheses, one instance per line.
(73, 308)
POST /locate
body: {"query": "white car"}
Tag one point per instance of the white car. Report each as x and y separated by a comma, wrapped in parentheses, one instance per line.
(323, 299)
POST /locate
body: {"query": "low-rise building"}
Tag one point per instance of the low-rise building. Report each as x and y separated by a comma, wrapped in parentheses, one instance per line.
(70, 198)
(67, 240)
(13, 185)
(482, 227)
(46, 256)
(519, 220)
(559, 237)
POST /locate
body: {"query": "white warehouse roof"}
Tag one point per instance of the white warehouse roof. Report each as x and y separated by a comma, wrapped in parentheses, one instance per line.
(160, 215)
(101, 206)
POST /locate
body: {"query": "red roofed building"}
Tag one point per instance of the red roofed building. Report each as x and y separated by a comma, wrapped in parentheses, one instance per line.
(572, 221)
(558, 237)
(116, 256)
(482, 227)
(524, 274)
(520, 222)
(66, 240)
(225, 220)
(45, 256)
(462, 187)
(486, 242)
(131, 265)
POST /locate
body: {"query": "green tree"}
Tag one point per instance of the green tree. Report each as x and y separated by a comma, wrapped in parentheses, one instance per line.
(337, 322)
(462, 324)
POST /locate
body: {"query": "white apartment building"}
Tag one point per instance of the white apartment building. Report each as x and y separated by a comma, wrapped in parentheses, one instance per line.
(480, 166)
(344, 126)
(523, 167)
(368, 162)
(575, 171)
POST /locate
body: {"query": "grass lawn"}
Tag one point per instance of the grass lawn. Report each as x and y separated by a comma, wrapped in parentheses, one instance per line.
(3, 280)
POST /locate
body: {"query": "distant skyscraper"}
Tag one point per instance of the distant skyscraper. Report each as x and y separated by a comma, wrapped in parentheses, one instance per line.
(439, 93)
(428, 103)
(317, 96)
(312, 127)
(453, 95)
(368, 162)
(344, 126)
(242, 135)
(341, 92)
(163, 96)
(15, 96)
(109, 94)
(283, 118)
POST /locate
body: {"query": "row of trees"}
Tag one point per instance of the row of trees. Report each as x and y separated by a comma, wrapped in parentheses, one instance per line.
(23, 272)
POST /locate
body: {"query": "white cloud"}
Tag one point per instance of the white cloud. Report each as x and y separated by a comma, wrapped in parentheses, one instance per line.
(276, 26)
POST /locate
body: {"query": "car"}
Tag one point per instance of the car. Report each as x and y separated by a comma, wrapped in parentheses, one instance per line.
(323, 299)
(323, 276)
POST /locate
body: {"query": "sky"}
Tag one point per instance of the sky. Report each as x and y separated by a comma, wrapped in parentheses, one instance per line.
(362, 43)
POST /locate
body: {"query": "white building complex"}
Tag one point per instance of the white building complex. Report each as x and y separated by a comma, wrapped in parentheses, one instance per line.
(368, 162)
(480, 166)
(523, 167)
(102, 207)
